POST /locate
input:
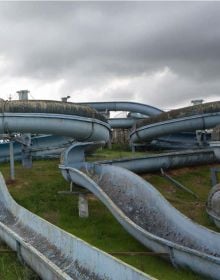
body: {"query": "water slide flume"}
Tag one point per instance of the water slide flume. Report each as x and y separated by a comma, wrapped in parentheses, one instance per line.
(52, 145)
(124, 106)
(48, 250)
(42, 146)
(145, 213)
(213, 202)
(198, 117)
(51, 117)
(135, 203)
(53, 253)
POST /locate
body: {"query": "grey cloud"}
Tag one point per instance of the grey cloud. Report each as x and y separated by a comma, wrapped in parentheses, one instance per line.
(88, 44)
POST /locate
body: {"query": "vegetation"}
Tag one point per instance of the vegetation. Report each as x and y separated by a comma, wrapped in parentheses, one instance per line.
(37, 190)
(11, 269)
(49, 106)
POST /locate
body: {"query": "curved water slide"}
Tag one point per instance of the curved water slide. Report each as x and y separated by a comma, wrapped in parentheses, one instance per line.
(134, 202)
(213, 201)
(42, 146)
(180, 140)
(124, 106)
(143, 211)
(53, 145)
(197, 117)
(48, 250)
(134, 107)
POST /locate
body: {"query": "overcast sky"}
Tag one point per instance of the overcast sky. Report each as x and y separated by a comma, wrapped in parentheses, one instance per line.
(159, 53)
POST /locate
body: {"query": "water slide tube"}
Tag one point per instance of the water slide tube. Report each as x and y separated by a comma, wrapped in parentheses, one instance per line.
(144, 109)
(42, 146)
(143, 211)
(48, 250)
(46, 146)
(124, 106)
(213, 202)
(53, 145)
(198, 117)
(179, 140)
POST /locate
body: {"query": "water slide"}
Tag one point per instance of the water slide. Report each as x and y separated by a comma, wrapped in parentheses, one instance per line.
(136, 204)
(197, 117)
(213, 201)
(143, 211)
(169, 141)
(42, 146)
(124, 106)
(52, 145)
(48, 250)
(139, 207)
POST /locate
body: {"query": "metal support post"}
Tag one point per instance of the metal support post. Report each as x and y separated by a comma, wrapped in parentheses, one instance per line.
(133, 148)
(177, 184)
(214, 175)
(109, 144)
(201, 136)
(26, 151)
(12, 164)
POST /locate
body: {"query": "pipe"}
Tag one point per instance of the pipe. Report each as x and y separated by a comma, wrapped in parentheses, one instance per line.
(41, 146)
(151, 163)
(80, 128)
(124, 106)
(122, 122)
(191, 123)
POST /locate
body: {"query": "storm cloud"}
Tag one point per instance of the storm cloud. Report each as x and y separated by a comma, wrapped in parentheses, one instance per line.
(160, 53)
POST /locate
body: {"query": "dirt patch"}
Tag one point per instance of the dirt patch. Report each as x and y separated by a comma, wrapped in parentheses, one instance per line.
(10, 182)
(92, 197)
(18, 184)
(51, 216)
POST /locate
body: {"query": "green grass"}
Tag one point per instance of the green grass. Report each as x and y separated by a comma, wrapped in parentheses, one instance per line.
(37, 190)
(11, 268)
(117, 151)
(196, 179)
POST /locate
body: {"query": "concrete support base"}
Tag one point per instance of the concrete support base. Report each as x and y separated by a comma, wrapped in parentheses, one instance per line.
(83, 206)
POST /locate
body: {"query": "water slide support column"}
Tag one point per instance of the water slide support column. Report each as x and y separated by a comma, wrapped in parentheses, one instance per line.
(12, 165)
(26, 137)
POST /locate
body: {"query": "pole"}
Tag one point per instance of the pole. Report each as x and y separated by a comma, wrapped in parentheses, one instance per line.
(12, 164)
